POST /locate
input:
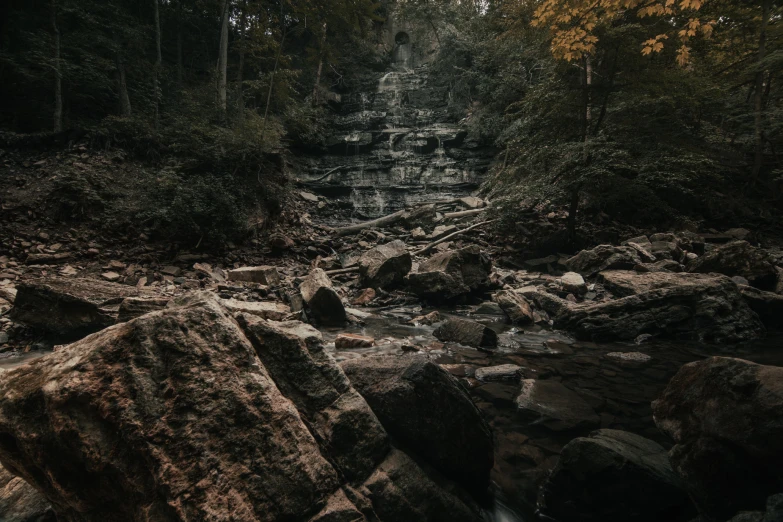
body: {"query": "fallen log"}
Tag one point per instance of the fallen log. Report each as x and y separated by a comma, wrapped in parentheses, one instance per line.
(453, 234)
(464, 213)
(382, 221)
(339, 271)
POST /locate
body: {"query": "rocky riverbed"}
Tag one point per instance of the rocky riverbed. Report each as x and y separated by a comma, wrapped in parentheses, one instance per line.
(398, 374)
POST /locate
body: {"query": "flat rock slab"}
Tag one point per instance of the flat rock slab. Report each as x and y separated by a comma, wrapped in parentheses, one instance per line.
(550, 404)
(71, 308)
(272, 310)
(467, 332)
(263, 275)
(348, 340)
(500, 373)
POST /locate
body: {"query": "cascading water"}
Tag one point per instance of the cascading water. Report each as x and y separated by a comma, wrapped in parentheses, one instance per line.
(396, 144)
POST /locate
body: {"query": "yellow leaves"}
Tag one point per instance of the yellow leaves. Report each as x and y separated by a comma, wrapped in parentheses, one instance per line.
(654, 45)
(683, 55)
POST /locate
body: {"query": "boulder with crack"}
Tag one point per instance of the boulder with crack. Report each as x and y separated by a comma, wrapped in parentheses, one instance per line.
(449, 275)
(188, 414)
(726, 418)
(616, 476)
(385, 266)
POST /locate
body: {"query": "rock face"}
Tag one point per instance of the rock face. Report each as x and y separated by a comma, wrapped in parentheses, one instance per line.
(726, 418)
(418, 402)
(195, 416)
(385, 266)
(554, 406)
(323, 301)
(133, 307)
(20, 502)
(704, 308)
(449, 275)
(70, 308)
(614, 476)
(467, 332)
(264, 275)
(739, 258)
(604, 257)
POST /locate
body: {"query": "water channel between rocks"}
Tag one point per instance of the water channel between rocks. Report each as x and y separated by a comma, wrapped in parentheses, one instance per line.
(619, 391)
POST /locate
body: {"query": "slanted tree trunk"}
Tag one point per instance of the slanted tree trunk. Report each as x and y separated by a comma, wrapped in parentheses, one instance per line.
(758, 96)
(58, 77)
(158, 64)
(122, 85)
(223, 62)
(240, 70)
(272, 82)
(587, 116)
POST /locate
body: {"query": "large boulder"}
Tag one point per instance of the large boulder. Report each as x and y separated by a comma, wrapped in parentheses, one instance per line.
(70, 308)
(188, 414)
(452, 274)
(726, 418)
(739, 258)
(552, 405)
(614, 476)
(385, 266)
(604, 257)
(20, 502)
(467, 332)
(768, 306)
(424, 407)
(682, 306)
(322, 299)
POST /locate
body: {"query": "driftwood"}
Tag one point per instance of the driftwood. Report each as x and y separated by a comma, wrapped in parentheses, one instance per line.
(463, 213)
(326, 175)
(382, 221)
(446, 238)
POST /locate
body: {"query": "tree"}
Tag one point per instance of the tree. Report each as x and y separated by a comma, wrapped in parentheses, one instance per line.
(223, 60)
(158, 64)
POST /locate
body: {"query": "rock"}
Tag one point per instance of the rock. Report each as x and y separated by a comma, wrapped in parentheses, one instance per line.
(630, 357)
(442, 231)
(726, 418)
(202, 417)
(774, 512)
(467, 332)
(643, 249)
(303, 331)
(367, 295)
(133, 307)
(385, 266)
(280, 243)
(308, 196)
(20, 502)
(739, 280)
(472, 202)
(708, 308)
(423, 216)
(48, 259)
(603, 257)
(272, 310)
(666, 250)
(211, 272)
(739, 258)
(68, 307)
(323, 301)
(448, 275)
(173, 271)
(738, 233)
(427, 319)
(418, 233)
(552, 405)
(614, 476)
(768, 306)
(348, 340)
(424, 407)
(573, 283)
(111, 276)
(264, 275)
(502, 372)
(4, 338)
(488, 308)
(516, 307)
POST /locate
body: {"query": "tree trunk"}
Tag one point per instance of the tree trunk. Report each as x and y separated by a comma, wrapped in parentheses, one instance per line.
(158, 64)
(122, 85)
(758, 97)
(223, 62)
(320, 67)
(271, 83)
(240, 71)
(58, 77)
(180, 66)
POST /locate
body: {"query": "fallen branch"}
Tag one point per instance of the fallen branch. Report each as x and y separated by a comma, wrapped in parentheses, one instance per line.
(463, 213)
(339, 271)
(453, 234)
(326, 175)
(382, 221)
